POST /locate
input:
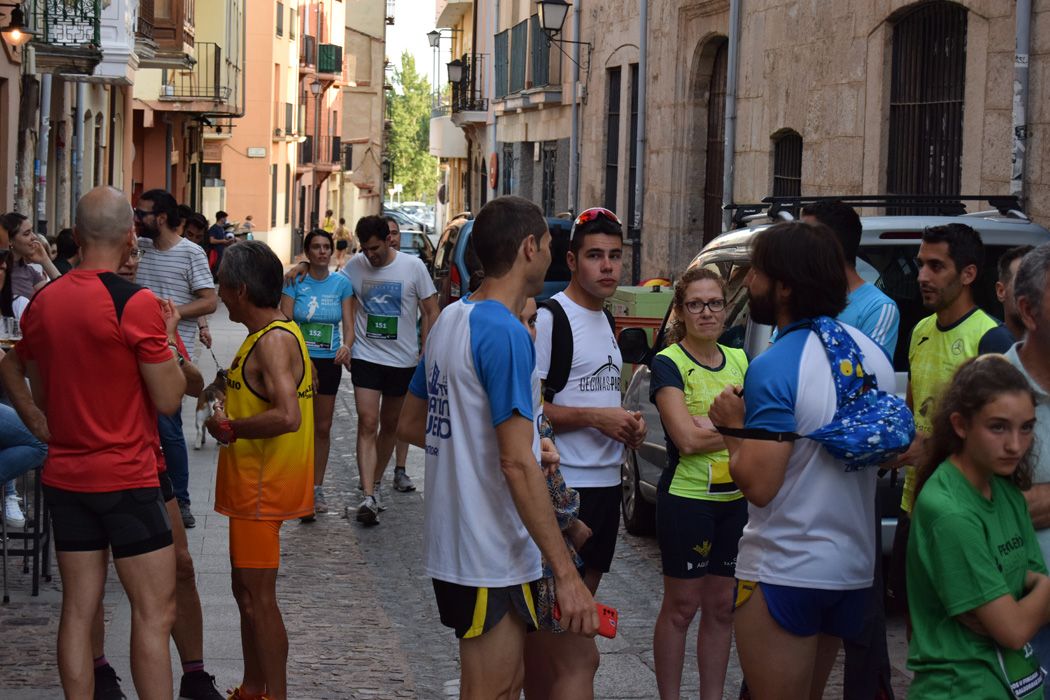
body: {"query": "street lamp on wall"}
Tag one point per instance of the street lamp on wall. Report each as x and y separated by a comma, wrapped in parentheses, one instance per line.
(552, 15)
(16, 33)
(455, 71)
(315, 88)
(434, 37)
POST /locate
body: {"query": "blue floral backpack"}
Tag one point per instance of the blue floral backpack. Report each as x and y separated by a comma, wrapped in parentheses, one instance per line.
(870, 426)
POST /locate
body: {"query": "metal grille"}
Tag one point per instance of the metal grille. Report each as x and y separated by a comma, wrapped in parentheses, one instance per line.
(787, 165)
(466, 94)
(926, 102)
(500, 46)
(519, 44)
(541, 53)
(716, 139)
(206, 80)
(65, 22)
(612, 137)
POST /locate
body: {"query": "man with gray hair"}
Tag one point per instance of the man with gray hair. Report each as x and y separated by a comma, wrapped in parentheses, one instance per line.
(266, 462)
(1032, 357)
(86, 335)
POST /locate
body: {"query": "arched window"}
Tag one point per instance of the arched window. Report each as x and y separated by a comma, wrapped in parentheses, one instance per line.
(716, 141)
(787, 164)
(928, 77)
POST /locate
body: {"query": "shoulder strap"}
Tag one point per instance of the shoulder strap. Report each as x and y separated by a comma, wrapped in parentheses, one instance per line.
(561, 350)
(757, 434)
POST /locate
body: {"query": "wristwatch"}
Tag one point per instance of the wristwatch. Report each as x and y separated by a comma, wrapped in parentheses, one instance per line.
(178, 355)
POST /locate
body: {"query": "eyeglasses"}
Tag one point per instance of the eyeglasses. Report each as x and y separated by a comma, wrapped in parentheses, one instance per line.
(140, 214)
(136, 254)
(595, 213)
(696, 306)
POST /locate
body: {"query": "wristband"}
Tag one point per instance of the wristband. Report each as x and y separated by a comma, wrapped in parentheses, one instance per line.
(227, 434)
(178, 355)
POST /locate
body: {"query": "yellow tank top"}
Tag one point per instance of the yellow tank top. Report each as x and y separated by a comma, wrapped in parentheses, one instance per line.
(933, 356)
(269, 478)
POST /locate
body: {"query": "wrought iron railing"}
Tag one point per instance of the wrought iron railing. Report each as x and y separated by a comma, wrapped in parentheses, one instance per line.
(306, 150)
(65, 22)
(144, 26)
(466, 94)
(325, 150)
(212, 78)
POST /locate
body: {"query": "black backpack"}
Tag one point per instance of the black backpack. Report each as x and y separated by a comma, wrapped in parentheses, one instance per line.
(561, 348)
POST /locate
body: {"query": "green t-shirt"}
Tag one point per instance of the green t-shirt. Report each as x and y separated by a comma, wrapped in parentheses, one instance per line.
(933, 356)
(704, 476)
(963, 551)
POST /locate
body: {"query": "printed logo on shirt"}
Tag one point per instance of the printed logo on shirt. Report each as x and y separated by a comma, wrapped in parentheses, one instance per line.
(957, 347)
(605, 378)
(439, 423)
(382, 304)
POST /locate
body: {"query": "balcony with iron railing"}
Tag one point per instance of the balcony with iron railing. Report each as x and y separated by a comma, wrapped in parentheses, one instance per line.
(214, 78)
(66, 34)
(322, 153)
(467, 104)
(307, 54)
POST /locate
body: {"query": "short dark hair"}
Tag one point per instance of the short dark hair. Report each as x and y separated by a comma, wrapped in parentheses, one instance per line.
(327, 212)
(342, 220)
(65, 244)
(806, 258)
(314, 234)
(197, 219)
(221, 215)
(369, 227)
(254, 265)
(600, 224)
(843, 221)
(392, 220)
(964, 244)
(499, 229)
(163, 203)
(185, 212)
(1007, 259)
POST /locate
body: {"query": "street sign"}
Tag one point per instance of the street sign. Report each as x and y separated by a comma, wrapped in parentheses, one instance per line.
(256, 152)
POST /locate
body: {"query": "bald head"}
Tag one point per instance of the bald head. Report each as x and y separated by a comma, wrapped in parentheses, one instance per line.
(104, 217)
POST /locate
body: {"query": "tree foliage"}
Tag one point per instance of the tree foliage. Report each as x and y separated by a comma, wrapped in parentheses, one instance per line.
(409, 144)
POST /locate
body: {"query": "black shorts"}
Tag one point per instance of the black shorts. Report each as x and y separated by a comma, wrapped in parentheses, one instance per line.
(697, 536)
(342, 245)
(390, 381)
(167, 489)
(130, 522)
(600, 511)
(329, 375)
(472, 612)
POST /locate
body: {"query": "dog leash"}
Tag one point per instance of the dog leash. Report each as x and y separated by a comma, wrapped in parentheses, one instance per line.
(217, 365)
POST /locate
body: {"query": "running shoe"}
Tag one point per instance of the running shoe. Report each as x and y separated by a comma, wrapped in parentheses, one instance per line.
(368, 511)
(13, 514)
(188, 520)
(320, 504)
(107, 684)
(238, 694)
(380, 496)
(198, 685)
(402, 481)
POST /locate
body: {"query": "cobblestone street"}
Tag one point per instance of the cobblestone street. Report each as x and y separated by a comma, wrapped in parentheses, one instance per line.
(359, 611)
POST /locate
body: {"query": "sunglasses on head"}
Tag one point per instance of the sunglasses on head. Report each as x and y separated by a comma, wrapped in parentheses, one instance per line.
(595, 213)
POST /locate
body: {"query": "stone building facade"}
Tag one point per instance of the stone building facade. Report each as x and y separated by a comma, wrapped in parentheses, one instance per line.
(849, 97)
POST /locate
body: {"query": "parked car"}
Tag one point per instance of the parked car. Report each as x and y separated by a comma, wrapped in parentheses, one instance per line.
(406, 222)
(418, 244)
(887, 259)
(454, 263)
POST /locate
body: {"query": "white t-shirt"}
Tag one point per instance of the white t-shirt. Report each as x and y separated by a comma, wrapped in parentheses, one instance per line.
(387, 307)
(477, 372)
(818, 532)
(176, 273)
(588, 457)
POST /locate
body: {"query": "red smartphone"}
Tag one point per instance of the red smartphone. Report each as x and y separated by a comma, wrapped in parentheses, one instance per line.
(607, 619)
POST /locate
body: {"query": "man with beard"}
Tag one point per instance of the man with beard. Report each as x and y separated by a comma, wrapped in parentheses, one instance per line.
(950, 259)
(174, 268)
(807, 556)
(1003, 337)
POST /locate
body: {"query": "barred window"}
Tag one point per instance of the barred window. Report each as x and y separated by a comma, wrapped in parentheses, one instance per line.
(787, 164)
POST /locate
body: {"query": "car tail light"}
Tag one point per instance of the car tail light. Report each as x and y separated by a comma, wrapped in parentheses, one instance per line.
(455, 284)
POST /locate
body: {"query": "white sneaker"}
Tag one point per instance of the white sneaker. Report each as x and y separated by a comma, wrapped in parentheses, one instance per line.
(13, 512)
(380, 496)
(368, 511)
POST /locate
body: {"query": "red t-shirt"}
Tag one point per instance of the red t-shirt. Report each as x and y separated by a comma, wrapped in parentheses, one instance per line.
(87, 332)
